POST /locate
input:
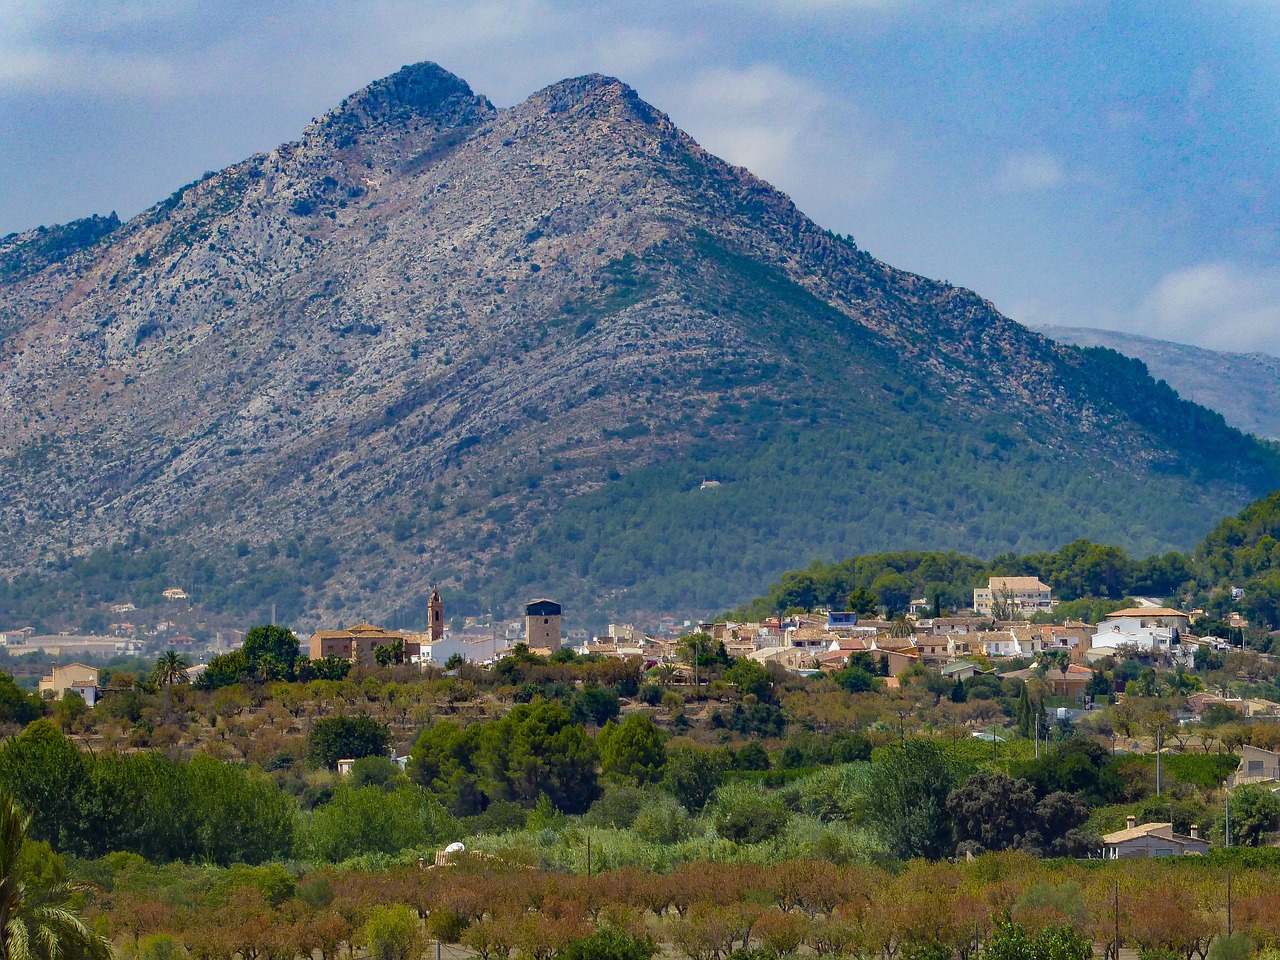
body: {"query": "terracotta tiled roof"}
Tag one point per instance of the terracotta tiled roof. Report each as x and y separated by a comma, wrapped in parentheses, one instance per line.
(1142, 830)
(1146, 612)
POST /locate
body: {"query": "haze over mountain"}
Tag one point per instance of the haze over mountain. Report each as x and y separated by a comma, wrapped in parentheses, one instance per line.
(1243, 387)
(503, 348)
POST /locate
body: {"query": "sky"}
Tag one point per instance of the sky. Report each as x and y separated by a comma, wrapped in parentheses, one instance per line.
(1076, 162)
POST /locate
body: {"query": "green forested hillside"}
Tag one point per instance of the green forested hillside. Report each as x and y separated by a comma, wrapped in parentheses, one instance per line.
(1240, 551)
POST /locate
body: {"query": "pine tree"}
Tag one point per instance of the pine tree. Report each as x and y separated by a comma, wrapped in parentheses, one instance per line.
(1025, 714)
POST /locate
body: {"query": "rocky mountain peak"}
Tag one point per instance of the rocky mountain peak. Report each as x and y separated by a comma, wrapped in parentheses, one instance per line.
(595, 95)
(417, 91)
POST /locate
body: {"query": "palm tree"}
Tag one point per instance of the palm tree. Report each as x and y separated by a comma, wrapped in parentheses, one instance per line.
(171, 668)
(37, 924)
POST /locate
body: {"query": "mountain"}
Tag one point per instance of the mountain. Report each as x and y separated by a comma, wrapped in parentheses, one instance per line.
(1243, 387)
(504, 349)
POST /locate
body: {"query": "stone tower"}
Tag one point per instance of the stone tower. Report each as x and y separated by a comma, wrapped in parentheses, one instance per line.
(435, 616)
(542, 625)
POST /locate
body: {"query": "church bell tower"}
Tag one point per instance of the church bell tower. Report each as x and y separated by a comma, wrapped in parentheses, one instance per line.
(435, 616)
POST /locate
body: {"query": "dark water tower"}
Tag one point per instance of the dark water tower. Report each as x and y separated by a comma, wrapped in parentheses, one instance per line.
(542, 625)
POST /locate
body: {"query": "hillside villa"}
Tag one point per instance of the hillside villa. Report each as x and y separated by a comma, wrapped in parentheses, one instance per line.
(1021, 594)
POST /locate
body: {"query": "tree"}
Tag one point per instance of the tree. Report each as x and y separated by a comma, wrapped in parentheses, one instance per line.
(992, 811)
(751, 679)
(634, 749)
(893, 589)
(393, 933)
(444, 761)
(1025, 714)
(270, 640)
(855, 680)
(171, 668)
(37, 921)
(1255, 812)
(907, 800)
(364, 820)
(537, 749)
(1057, 659)
(692, 775)
(69, 709)
(346, 738)
(595, 705)
(386, 655)
(46, 774)
(17, 706)
(223, 671)
(862, 601)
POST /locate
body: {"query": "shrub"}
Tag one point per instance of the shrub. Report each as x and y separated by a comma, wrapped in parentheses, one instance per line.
(159, 946)
(746, 815)
(393, 933)
(1234, 947)
(445, 925)
(663, 821)
(618, 808)
(610, 945)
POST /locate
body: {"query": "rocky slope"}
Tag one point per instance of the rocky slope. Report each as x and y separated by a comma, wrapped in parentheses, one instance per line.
(1243, 387)
(499, 347)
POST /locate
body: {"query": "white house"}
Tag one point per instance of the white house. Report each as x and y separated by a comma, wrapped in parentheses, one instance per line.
(1151, 840)
(1111, 639)
(475, 650)
(1142, 617)
(1024, 594)
(1000, 643)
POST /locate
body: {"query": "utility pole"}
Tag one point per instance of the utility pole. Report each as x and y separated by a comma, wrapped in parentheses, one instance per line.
(695, 669)
(1228, 818)
(1228, 903)
(1116, 914)
(1158, 732)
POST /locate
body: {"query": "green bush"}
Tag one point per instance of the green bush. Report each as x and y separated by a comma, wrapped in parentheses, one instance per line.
(617, 807)
(364, 820)
(610, 944)
(393, 933)
(663, 821)
(745, 814)
(1237, 946)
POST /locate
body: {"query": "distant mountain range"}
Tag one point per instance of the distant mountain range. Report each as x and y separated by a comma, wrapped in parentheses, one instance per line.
(1243, 387)
(503, 349)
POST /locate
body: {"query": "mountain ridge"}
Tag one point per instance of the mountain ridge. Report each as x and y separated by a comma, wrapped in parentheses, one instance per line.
(432, 331)
(1243, 386)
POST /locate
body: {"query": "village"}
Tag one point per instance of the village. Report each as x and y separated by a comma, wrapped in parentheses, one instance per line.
(993, 637)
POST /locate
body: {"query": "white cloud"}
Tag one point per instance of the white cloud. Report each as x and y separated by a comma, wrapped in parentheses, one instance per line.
(1030, 171)
(835, 6)
(59, 46)
(785, 130)
(1220, 305)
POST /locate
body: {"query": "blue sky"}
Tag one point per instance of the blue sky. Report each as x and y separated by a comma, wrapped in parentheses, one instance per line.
(1086, 163)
